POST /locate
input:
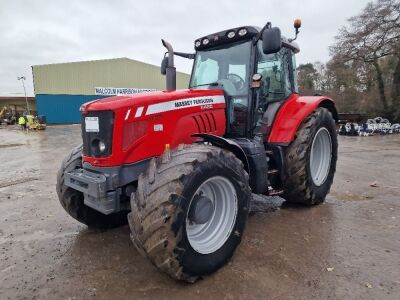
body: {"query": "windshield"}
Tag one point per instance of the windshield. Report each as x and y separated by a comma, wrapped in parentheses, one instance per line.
(225, 66)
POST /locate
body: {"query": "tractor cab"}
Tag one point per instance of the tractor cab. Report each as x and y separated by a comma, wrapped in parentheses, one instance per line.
(254, 67)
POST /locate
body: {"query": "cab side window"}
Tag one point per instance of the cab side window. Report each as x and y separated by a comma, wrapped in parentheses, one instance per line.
(274, 69)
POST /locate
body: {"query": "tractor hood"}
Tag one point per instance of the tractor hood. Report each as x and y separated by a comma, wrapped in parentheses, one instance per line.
(138, 127)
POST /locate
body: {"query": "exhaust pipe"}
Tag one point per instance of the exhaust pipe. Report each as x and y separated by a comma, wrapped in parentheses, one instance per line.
(170, 70)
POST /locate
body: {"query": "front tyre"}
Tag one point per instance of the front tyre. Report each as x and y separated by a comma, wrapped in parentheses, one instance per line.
(190, 211)
(72, 200)
(310, 160)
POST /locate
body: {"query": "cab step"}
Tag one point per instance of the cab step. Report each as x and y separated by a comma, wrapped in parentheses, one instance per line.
(272, 192)
(272, 171)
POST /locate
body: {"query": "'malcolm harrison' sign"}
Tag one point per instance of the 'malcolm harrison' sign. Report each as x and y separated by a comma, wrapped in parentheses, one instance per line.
(111, 91)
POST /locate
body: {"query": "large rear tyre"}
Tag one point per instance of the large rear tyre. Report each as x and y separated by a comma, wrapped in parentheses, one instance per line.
(310, 160)
(72, 200)
(190, 210)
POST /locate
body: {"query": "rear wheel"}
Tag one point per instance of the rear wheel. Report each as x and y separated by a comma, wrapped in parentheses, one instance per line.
(310, 160)
(72, 200)
(190, 210)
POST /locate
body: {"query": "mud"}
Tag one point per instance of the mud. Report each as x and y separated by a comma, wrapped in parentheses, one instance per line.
(346, 248)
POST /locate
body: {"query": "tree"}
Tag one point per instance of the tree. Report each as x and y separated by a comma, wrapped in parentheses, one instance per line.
(306, 78)
(396, 86)
(369, 37)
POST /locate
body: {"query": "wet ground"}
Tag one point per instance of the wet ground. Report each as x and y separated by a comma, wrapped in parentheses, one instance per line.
(346, 248)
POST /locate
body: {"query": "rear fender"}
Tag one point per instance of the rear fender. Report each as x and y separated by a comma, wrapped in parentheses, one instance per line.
(292, 114)
(228, 145)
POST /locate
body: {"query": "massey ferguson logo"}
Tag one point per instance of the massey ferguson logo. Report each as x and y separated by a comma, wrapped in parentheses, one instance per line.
(194, 102)
(206, 102)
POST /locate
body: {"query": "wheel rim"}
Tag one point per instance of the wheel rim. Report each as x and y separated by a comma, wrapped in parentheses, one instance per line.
(321, 153)
(209, 237)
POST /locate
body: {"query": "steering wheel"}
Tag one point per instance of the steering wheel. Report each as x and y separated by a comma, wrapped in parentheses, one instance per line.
(237, 81)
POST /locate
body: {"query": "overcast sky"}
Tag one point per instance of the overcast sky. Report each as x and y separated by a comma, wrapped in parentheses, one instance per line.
(51, 31)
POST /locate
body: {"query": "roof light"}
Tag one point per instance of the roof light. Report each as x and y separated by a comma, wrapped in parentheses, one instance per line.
(231, 34)
(206, 41)
(242, 32)
(197, 43)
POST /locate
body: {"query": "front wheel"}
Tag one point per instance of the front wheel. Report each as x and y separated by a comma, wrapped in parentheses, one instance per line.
(310, 160)
(190, 211)
(72, 200)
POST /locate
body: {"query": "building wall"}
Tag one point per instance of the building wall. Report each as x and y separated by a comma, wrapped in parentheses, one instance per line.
(60, 89)
(62, 109)
(80, 78)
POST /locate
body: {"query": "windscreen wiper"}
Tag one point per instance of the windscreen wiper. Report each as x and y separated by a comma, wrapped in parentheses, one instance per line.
(203, 84)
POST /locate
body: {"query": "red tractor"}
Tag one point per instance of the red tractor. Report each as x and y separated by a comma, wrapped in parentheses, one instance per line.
(181, 165)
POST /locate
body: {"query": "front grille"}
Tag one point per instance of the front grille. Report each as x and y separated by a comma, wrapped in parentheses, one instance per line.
(105, 134)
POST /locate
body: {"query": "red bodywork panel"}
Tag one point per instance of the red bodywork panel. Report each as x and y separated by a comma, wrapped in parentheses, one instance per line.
(145, 123)
(291, 115)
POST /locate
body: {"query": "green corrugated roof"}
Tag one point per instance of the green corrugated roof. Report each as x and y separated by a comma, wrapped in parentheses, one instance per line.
(81, 78)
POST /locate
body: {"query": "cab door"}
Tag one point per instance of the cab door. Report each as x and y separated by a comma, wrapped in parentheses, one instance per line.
(277, 84)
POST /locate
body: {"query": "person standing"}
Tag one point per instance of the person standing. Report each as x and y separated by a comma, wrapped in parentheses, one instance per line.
(22, 122)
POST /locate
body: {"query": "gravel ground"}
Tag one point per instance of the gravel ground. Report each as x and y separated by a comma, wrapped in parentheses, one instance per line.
(346, 248)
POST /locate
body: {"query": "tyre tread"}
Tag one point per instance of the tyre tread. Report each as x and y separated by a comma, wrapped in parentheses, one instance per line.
(75, 207)
(155, 205)
(297, 182)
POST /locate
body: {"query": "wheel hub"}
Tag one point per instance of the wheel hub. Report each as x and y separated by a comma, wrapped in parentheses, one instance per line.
(211, 215)
(201, 209)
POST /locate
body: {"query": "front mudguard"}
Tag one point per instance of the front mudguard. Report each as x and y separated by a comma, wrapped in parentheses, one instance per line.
(292, 114)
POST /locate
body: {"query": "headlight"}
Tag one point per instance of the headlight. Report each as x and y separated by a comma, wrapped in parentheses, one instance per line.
(257, 77)
(206, 41)
(102, 146)
(197, 44)
(99, 146)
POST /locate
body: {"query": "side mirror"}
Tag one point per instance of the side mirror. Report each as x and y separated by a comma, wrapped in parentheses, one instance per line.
(164, 64)
(271, 40)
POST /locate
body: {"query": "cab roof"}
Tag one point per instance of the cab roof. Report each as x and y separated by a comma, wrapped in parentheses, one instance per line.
(234, 35)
